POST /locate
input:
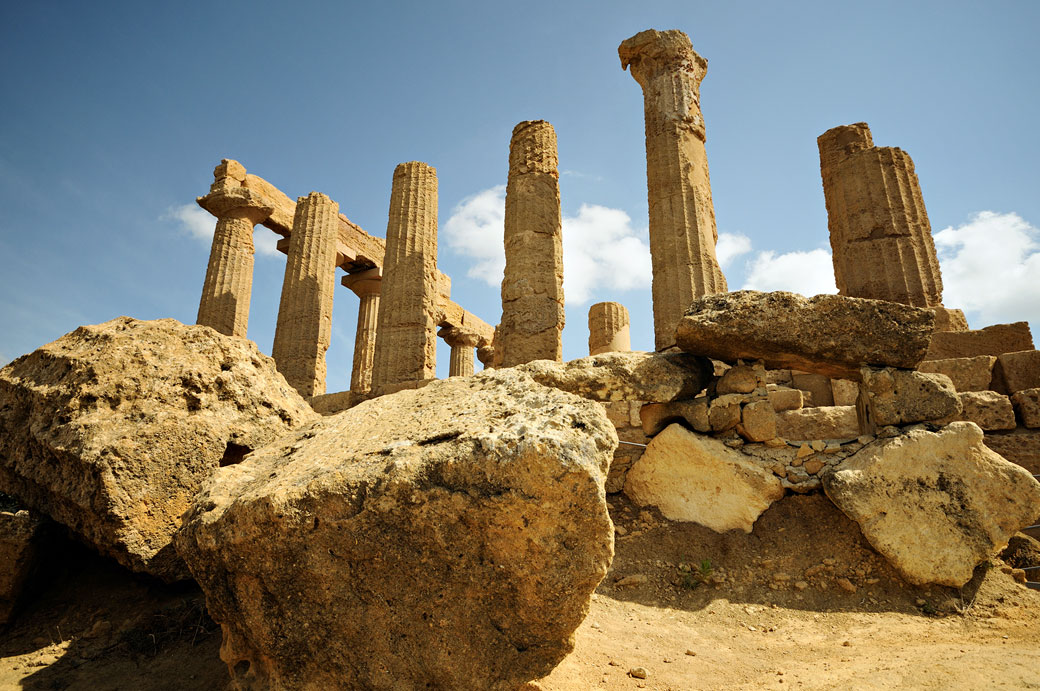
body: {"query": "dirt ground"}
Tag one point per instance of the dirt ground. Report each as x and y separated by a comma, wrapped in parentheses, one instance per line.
(802, 602)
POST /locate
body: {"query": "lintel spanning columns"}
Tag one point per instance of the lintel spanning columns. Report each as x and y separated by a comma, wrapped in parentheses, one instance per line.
(682, 215)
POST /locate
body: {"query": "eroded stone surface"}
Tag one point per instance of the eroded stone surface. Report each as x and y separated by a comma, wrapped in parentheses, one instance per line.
(988, 409)
(632, 376)
(609, 328)
(935, 504)
(966, 373)
(696, 478)
(111, 429)
(18, 532)
(694, 412)
(1018, 371)
(896, 397)
(829, 422)
(992, 340)
(447, 537)
(1021, 446)
(1027, 404)
(828, 334)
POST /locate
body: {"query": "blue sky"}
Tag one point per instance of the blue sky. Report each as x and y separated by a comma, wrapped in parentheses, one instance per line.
(115, 114)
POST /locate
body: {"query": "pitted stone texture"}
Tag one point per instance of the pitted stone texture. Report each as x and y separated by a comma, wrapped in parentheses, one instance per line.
(1018, 371)
(406, 336)
(304, 329)
(935, 504)
(609, 328)
(18, 534)
(966, 373)
(1021, 446)
(898, 397)
(879, 230)
(949, 319)
(826, 334)
(633, 376)
(448, 537)
(111, 429)
(532, 287)
(757, 421)
(682, 214)
(1027, 404)
(808, 424)
(694, 413)
(988, 409)
(992, 340)
(696, 478)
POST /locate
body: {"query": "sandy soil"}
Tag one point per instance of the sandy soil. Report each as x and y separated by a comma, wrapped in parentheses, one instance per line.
(802, 602)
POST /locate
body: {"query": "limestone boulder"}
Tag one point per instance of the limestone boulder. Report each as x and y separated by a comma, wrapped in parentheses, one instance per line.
(830, 335)
(1027, 403)
(989, 410)
(897, 397)
(111, 429)
(935, 504)
(445, 537)
(696, 478)
(631, 376)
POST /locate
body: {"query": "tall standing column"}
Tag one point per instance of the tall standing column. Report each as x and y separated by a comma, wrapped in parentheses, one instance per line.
(608, 328)
(406, 338)
(462, 345)
(304, 327)
(224, 304)
(366, 285)
(881, 239)
(682, 215)
(532, 287)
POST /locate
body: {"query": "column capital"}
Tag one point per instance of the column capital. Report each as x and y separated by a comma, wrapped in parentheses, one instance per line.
(364, 283)
(236, 201)
(458, 338)
(651, 54)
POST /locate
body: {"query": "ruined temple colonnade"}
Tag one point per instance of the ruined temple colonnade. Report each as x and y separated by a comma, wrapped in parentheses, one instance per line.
(317, 240)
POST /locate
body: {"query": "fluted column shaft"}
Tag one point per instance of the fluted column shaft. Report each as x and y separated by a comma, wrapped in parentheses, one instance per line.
(229, 275)
(682, 215)
(406, 340)
(881, 239)
(462, 345)
(304, 328)
(532, 287)
(609, 328)
(366, 285)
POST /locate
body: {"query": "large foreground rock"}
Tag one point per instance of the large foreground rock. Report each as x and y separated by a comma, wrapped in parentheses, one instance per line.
(448, 537)
(696, 478)
(935, 504)
(831, 335)
(626, 376)
(112, 428)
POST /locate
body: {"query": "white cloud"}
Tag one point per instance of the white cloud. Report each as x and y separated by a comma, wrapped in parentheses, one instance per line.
(809, 273)
(199, 224)
(730, 246)
(991, 268)
(600, 247)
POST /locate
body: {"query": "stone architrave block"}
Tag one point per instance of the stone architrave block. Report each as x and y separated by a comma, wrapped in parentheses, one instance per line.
(695, 478)
(1027, 403)
(966, 373)
(899, 397)
(831, 335)
(992, 340)
(1018, 371)
(935, 504)
(807, 424)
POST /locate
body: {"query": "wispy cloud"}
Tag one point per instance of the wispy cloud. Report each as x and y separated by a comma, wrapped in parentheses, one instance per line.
(990, 268)
(198, 223)
(730, 246)
(601, 248)
(808, 273)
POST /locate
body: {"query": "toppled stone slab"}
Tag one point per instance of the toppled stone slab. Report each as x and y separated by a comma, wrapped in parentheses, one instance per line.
(1018, 371)
(696, 478)
(656, 416)
(445, 537)
(111, 429)
(988, 409)
(966, 373)
(935, 504)
(632, 376)
(827, 334)
(18, 534)
(1027, 404)
(807, 424)
(897, 397)
(992, 340)
(1020, 446)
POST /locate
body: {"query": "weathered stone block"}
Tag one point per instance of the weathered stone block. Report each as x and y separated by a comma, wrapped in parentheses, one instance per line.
(834, 422)
(724, 412)
(695, 478)
(1018, 371)
(739, 379)
(1027, 404)
(785, 399)
(758, 420)
(966, 373)
(897, 397)
(935, 504)
(828, 334)
(817, 386)
(988, 409)
(1021, 446)
(656, 416)
(18, 535)
(844, 391)
(992, 340)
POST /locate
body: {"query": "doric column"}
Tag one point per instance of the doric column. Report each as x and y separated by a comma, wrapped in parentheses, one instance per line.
(462, 344)
(881, 239)
(366, 285)
(682, 215)
(229, 276)
(304, 326)
(608, 328)
(406, 338)
(532, 287)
